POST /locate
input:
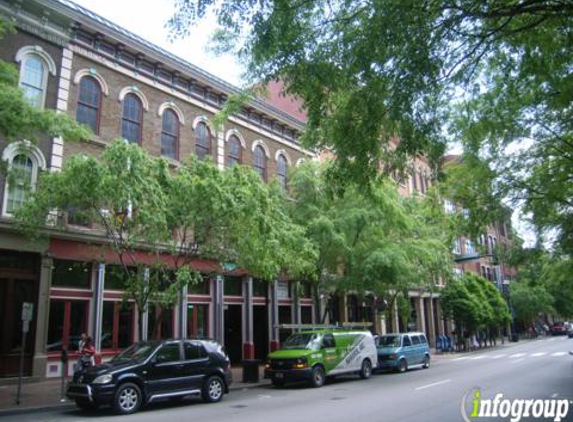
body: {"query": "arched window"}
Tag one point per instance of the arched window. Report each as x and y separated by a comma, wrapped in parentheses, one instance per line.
(22, 172)
(282, 165)
(170, 135)
(89, 103)
(202, 141)
(131, 118)
(260, 164)
(235, 151)
(33, 80)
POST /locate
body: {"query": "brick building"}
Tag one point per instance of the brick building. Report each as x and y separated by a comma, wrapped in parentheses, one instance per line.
(76, 62)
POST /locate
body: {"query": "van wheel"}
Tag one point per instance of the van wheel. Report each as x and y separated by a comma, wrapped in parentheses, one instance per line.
(366, 370)
(402, 365)
(426, 362)
(127, 399)
(213, 389)
(318, 377)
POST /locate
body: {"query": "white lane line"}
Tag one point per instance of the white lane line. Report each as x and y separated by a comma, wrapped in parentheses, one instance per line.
(498, 356)
(478, 357)
(518, 360)
(462, 358)
(559, 354)
(551, 339)
(517, 355)
(554, 395)
(433, 384)
(565, 338)
(536, 355)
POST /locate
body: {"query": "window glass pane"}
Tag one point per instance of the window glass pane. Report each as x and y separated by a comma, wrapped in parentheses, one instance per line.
(168, 353)
(22, 171)
(32, 80)
(407, 341)
(197, 320)
(306, 314)
(201, 288)
(131, 122)
(415, 340)
(260, 287)
(78, 323)
(260, 164)
(107, 325)
(116, 277)
(282, 171)
(233, 286)
(169, 134)
(55, 326)
(167, 323)
(89, 103)
(202, 141)
(234, 156)
(71, 273)
(193, 350)
(125, 327)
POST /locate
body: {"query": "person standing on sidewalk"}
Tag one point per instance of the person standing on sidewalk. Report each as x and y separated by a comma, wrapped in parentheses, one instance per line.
(87, 353)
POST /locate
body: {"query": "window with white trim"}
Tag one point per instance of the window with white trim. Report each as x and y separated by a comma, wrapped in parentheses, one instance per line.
(170, 135)
(202, 141)
(24, 161)
(260, 162)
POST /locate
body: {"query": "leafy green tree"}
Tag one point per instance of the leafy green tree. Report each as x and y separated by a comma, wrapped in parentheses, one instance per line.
(146, 211)
(495, 74)
(529, 302)
(377, 243)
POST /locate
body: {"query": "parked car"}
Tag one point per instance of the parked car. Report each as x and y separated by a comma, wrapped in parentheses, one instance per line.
(152, 370)
(558, 329)
(315, 355)
(401, 351)
(570, 330)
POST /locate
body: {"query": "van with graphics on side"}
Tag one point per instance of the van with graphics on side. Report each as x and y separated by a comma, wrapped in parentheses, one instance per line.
(313, 355)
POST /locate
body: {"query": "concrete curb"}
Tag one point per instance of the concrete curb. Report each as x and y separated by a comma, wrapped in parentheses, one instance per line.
(67, 405)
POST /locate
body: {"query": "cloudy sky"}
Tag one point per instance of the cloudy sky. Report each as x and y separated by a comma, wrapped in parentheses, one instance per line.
(147, 19)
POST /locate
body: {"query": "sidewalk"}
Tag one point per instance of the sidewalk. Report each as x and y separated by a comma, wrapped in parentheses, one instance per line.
(44, 395)
(447, 355)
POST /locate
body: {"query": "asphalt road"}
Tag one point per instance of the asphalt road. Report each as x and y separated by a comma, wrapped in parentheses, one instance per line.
(540, 369)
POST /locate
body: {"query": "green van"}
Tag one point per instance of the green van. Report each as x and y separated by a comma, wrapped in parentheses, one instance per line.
(316, 354)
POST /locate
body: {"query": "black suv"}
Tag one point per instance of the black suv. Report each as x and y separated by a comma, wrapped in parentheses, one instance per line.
(151, 370)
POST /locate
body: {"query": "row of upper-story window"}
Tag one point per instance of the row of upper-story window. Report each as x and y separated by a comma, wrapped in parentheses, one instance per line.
(490, 242)
(419, 180)
(174, 79)
(36, 63)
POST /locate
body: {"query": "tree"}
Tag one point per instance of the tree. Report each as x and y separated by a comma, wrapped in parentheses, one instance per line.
(476, 306)
(529, 302)
(377, 243)
(150, 216)
(495, 74)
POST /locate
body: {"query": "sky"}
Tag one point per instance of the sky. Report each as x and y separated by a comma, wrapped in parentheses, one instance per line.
(147, 19)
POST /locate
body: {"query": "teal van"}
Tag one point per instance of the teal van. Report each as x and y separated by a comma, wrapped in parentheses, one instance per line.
(316, 354)
(401, 351)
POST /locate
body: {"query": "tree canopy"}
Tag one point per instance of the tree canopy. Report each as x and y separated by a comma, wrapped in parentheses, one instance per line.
(488, 75)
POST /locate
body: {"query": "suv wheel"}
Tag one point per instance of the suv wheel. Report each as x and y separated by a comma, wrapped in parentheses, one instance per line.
(366, 369)
(127, 399)
(213, 389)
(402, 365)
(317, 377)
(426, 362)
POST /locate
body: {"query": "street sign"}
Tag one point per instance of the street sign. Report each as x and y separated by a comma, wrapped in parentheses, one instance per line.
(27, 311)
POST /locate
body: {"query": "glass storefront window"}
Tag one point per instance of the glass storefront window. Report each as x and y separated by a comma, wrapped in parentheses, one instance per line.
(197, 320)
(68, 320)
(115, 276)
(201, 288)
(260, 287)
(159, 322)
(233, 286)
(71, 274)
(117, 325)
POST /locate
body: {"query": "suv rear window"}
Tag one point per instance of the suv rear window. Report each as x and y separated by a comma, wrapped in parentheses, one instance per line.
(193, 350)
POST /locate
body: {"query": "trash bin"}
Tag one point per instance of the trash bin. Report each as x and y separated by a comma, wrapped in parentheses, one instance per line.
(251, 370)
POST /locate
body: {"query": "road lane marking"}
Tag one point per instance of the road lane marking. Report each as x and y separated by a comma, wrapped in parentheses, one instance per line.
(478, 357)
(498, 356)
(462, 358)
(559, 354)
(433, 384)
(551, 339)
(517, 355)
(536, 355)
